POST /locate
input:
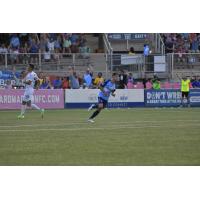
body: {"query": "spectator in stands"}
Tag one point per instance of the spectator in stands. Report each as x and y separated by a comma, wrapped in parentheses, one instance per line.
(149, 84)
(82, 41)
(34, 49)
(14, 42)
(74, 43)
(144, 81)
(98, 80)
(8, 85)
(169, 45)
(50, 45)
(146, 50)
(155, 83)
(65, 83)
(180, 50)
(3, 50)
(46, 84)
(24, 57)
(57, 83)
(195, 82)
(87, 78)
(131, 51)
(66, 44)
(195, 45)
(43, 43)
(57, 44)
(130, 84)
(74, 81)
(14, 53)
(47, 55)
(122, 79)
(74, 39)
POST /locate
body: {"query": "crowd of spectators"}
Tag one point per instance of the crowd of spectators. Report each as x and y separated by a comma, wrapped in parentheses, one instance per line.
(181, 42)
(48, 44)
(76, 80)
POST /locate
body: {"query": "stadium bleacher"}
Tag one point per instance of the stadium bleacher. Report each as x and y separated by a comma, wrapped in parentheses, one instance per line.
(16, 50)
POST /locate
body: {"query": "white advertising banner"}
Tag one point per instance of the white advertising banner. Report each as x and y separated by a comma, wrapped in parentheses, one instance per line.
(81, 98)
(91, 95)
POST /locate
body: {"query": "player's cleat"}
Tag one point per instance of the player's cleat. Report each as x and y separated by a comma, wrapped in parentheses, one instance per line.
(42, 113)
(20, 117)
(91, 120)
(90, 108)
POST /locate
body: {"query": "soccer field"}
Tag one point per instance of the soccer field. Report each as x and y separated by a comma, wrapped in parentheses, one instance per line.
(163, 136)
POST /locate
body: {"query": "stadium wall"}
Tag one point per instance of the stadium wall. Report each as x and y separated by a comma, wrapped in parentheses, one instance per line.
(83, 98)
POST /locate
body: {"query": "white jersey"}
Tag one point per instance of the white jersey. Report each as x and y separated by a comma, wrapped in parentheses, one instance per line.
(29, 89)
(31, 76)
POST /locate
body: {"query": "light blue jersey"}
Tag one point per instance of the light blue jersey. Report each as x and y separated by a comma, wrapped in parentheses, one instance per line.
(108, 88)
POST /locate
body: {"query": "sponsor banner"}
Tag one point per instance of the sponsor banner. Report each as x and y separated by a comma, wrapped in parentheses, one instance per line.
(8, 75)
(127, 36)
(160, 98)
(11, 99)
(169, 97)
(195, 97)
(82, 98)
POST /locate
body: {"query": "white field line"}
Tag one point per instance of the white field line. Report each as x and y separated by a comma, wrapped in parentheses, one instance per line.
(98, 122)
(102, 128)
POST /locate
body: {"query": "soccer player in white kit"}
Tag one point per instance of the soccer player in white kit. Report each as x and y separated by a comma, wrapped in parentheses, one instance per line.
(31, 80)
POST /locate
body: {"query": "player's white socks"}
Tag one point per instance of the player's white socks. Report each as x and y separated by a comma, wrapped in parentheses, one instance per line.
(35, 106)
(23, 109)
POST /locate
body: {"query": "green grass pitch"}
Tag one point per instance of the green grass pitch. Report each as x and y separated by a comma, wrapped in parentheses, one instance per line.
(140, 136)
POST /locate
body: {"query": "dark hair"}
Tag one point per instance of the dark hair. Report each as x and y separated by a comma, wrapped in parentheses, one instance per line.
(100, 74)
(32, 66)
(114, 74)
(132, 50)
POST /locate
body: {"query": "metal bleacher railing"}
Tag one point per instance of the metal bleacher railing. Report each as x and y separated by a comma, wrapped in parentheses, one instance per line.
(165, 66)
(56, 63)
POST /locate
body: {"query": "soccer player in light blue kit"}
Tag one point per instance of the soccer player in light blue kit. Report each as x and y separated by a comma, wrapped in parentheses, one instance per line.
(106, 89)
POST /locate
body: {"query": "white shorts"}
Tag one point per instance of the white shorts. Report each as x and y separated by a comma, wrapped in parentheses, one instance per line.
(28, 95)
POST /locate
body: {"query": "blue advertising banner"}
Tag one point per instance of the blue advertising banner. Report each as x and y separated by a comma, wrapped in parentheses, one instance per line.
(169, 98)
(8, 75)
(195, 97)
(162, 98)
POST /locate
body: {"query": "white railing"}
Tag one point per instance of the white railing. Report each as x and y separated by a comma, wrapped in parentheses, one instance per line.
(159, 44)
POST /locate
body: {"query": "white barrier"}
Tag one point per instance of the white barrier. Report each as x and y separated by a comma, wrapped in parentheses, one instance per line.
(82, 98)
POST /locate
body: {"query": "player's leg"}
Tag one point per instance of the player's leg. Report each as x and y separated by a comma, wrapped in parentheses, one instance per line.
(188, 99)
(23, 109)
(34, 106)
(24, 103)
(101, 105)
(93, 106)
(182, 99)
(95, 113)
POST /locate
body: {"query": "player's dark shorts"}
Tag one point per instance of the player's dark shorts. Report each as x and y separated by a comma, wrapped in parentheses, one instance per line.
(103, 101)
(185, 94)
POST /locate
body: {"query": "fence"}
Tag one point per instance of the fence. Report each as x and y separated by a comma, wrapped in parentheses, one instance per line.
(166, 66)
(55, 62)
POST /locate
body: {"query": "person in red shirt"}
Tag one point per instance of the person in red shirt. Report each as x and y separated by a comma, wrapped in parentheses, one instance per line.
(65, 83)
